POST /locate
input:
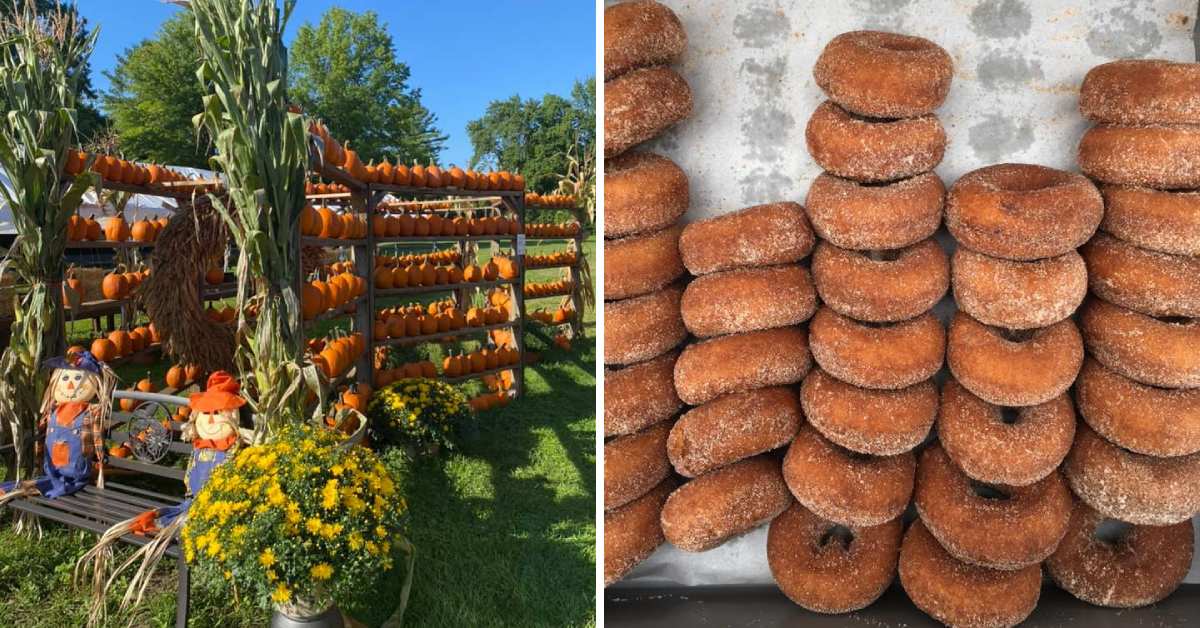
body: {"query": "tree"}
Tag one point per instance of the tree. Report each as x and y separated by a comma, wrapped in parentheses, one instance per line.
(344, 71)
(536, 136)
(154, 93)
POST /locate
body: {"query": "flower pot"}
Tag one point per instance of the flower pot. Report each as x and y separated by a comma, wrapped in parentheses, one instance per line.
(293, 617)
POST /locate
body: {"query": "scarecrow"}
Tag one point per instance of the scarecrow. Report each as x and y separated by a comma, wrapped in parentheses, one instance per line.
(215, 432)
(75, 413)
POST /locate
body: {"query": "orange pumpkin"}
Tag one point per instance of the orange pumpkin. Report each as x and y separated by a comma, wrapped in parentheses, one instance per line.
(114, 286)
(175, 377)
(116, 229)
(121, 341)
(104, 350)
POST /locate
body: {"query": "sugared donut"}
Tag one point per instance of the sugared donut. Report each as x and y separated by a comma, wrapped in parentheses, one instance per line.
(1141, 489)
(640, 264)
(1014, 446)
(1159, 220)
(1141, 566)
(643, 192)
(747, 300)
(1153, 283)
(640, 104)
(1022, 211)
(763, 235)
(733, 427)
(1014, 370)
(640, 34)
(634, 464)
(1143, 419)
(876, 422)
(1150, 156)
(874, 217)
(633, 531)
(1001, 527)
(888, 356)
(959, 594)
(829, 568)
(739, 362)
(1141, 91)
(872, 150)
(845, 487)
(1158, 352)
(721, 504)
(643, 327)
(1018, 295)
(881, 287)
(884, 75)
(640, 395)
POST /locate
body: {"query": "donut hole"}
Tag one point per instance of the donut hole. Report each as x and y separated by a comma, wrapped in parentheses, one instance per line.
(1010, 415)
(837, 533)
(989, 491)
(1112, 531)
(1017, 335)
(889, 255)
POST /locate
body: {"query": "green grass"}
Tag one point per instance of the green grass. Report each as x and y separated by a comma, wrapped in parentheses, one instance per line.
(504, 527)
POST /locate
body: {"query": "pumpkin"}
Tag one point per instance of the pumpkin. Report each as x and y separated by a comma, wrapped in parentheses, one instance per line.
(329, 225)
(518, 182)
(475, 317)
(451, 366)
(145, 385)
(214, 276)
(433, 177)
(310, 222)
(401, 175)
(491, 271)
(121, 342)
(491, 360)
(418, 176)
(192, 372)
(116, 229)
(472, 273)
(428, 369)
(119, 451)
(421, 226)
(114, 286)
(312, 301)
(92, 230)
(407, 225)
(175, 377)
(104, 350)
(477, 361)
(357, 396)
(354, 166)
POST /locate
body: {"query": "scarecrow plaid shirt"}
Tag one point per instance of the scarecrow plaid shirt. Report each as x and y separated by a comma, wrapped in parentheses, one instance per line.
(90, 428)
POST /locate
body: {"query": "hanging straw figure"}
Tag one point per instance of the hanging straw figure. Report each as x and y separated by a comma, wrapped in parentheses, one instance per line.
(215, 432)
(75, 411)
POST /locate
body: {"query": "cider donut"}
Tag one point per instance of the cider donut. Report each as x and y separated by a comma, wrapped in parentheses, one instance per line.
(884, 75)
(640, 395)
(874, 217)
(881, 287)
(845, 487)
(1153, 283)
(640, 34)
(1022, 211)
(1018, 295)
(640, 264)
(1143, 419)
(1139, 489)
(740, 362)
(1141, 91)
(890, 356)
(643, 192)
(633, 531)
(870, 149)
(958, 594)
(747, 300)
(1142, 566)
(999, 527)
(867, 421)
(634, 464)
(1159, 220)
(1013, 446)
(1008, 370)
(1150, 156)
(829, 568)
(721, 504)
(733, 427)
(643, 327)
(640, 104)
(762, 235)
(1145, 349)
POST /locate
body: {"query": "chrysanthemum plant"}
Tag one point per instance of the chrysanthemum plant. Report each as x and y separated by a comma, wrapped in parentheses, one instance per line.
(40, 60)
(421, 414)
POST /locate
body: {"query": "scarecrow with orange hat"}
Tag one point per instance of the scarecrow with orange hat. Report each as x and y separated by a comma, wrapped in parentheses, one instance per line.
(215, 431)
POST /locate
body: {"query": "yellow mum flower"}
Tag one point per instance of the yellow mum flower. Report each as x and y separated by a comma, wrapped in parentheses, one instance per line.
(329, 495)
(322, 571)
(313, 525)
(267, 557)
(281, 593)
(356, 541)
(381, 532)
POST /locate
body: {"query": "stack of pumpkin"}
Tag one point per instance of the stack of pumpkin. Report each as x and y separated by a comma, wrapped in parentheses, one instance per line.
(559, 316)
(120, 284)
(324, 222)
(179, 375)
(645, 195)
(321, 188)
(410, 225)
(551, 260)
(552, 201)
(439, 317)
(226, 314)
(120, 343)
(551, 230)
(385, 374)
(479, 361)
(412, 274)
(448, 256)
(336, 355)
(115, 169)
(549, 288)
(115, 229)
(318, 296)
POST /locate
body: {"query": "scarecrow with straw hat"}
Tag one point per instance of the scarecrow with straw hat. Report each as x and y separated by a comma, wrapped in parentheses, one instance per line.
(75, 413)
(215, 432)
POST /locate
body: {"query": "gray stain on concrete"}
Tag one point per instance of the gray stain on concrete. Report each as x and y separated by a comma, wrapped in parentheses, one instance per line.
(1001, 18)
(880, 6)
(998, 137)
(764, 186)
(761, 26)
(765, 130)
(764, 79)
(1001, 69)
(1119, 33)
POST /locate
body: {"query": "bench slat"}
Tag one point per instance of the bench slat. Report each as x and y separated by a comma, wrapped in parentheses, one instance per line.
(125, 509)
(70, 505)
(134, 495)
(34, 508)
(152, 469)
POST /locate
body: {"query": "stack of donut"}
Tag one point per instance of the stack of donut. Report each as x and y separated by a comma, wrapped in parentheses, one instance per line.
(744, 307)
(879, 272)
(645, 195)
(1136, 457)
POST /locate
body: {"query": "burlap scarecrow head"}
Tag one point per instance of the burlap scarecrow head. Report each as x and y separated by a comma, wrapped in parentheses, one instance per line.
(78, 378)
(215, 411)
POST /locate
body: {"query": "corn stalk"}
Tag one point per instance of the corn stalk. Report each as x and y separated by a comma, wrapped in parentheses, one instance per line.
(262, 151)
(38, 97)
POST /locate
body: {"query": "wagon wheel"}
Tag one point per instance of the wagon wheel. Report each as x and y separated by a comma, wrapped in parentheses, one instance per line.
(149, 439)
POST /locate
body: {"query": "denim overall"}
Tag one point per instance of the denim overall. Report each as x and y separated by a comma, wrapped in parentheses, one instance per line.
(203, 462)
(67, 469)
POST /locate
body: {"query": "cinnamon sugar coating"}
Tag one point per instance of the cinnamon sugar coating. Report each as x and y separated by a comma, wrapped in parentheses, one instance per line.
(721, 504)
(642, 328)
(733, 427)
(1165, 157)
(640, 34)
(748, 300)
(875, 217)
(1141, 91)
(640, 264)
(643, 192)
(1143, 419)
(1153, 283)
(1159, 220)
(1018, 295)
(884, 75)
(639, 105)
(890, 357)
(762, 235)
(740, 362)
(869, 421)
(1142, 348)
(634, 464)
(640, 395)
(877, 289)
(633, 531)
(1014, 372)
(873, 150)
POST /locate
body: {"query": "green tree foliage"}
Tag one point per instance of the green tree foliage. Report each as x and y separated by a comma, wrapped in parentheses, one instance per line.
(344, 71)
(535, 136)
(154, 94)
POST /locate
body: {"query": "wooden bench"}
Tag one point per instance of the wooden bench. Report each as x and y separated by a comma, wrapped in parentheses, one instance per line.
(97, 509)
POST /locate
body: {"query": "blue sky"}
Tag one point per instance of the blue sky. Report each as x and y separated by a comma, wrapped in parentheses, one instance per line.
(462, 54)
